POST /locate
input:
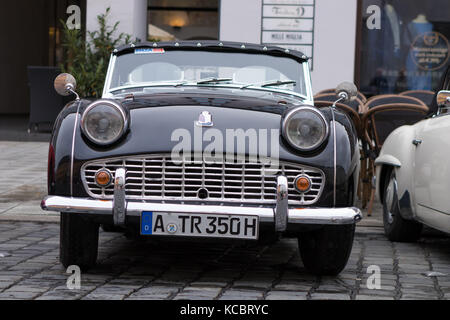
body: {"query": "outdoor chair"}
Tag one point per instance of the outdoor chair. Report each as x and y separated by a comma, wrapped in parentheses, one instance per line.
(352, 108)
(384, 114)
(360, 95)
(426, 96)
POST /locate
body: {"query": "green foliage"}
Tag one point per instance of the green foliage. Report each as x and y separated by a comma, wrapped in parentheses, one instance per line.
(88, 60)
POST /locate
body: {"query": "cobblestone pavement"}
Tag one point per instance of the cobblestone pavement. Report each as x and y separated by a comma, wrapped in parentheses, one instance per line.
(23, 178)
(138, 269)
(144, 269)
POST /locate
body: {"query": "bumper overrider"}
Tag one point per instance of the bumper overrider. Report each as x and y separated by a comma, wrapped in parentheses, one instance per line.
(281, 215)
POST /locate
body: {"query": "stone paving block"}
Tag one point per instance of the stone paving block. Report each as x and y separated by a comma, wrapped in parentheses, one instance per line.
(376, 292)
(103, 296)
(331, 288)
(146, 297)
(9, 276)
(286, 295)
(255, 284)
(414, 286)
(241, 294)
(194, 293)
(115, 289)
(212, 282)
(370, 297)
(18, 295)
(5, 284)
(292, 286)
(160, 290)
(417, 297)
(418, 291)
(415, 280)
(25, 288)
(131, 281)
(330, 296)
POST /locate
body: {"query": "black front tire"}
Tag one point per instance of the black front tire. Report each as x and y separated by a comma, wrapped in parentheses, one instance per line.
(112, 228)
(396, 228)
(78, 241)
(326, 251)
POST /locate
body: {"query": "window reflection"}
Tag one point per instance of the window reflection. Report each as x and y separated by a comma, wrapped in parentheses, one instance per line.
(183, 20)
(411, 49)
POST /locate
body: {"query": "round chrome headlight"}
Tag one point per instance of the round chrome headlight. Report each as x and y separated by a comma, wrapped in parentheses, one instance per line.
(305, 128)
(104, 122)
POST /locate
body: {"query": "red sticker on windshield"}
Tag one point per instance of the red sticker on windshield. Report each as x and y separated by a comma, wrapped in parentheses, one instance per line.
(148, 50)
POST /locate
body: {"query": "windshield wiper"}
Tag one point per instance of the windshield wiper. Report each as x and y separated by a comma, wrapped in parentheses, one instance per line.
(213, 80)
(269, 83)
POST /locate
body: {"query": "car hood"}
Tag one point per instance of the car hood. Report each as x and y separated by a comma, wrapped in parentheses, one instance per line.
(256, 100)
(158, 119)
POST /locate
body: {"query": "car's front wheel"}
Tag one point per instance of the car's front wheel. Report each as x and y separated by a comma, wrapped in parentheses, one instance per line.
(396, 228)
(78, 241)
(326, 251)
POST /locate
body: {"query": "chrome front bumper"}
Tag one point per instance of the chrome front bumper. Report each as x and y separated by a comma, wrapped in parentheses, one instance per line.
(305, 216)
(281, 215)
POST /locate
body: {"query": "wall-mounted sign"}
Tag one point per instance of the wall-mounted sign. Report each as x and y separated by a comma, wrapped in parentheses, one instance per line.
(430, 50)
(283, 11)
(289, 24)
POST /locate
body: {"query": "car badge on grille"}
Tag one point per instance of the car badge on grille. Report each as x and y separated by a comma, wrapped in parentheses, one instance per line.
(204, 119)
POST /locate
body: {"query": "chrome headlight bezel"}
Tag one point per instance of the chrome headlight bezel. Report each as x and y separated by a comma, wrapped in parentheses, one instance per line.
(313, 110)
(113, 104)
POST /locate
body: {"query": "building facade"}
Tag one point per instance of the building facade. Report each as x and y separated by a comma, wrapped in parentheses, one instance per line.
(384, 46)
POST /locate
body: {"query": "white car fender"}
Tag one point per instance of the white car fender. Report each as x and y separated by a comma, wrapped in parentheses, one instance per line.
(398, 152)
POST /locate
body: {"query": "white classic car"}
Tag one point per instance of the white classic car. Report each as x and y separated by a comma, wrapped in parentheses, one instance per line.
(413, 175)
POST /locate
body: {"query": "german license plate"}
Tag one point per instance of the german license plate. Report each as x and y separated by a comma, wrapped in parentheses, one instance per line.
(199, 225)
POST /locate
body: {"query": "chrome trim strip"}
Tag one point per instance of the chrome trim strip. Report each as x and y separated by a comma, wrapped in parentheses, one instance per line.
(281, 209)
(72, 152)
(322, 216)
(308, 83)
(334, 158)
(119, 202)
(112, 62)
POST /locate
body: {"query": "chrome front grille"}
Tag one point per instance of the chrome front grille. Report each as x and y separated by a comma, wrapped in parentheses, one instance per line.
(157, 177)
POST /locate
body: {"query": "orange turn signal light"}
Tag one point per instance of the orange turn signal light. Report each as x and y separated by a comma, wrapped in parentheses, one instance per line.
(103, 178)
(302, 183)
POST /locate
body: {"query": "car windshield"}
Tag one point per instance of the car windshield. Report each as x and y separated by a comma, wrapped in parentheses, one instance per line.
(178, 68)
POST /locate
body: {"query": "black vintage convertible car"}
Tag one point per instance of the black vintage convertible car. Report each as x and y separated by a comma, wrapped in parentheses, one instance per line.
(205, 139)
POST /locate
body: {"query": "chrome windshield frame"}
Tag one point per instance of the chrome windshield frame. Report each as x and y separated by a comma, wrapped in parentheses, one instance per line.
(109, 92)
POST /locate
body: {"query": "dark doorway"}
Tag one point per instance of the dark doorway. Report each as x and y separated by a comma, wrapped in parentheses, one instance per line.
(30, 33)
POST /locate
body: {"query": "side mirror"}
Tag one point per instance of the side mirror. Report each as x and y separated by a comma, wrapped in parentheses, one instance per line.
(346, 91)
(65, 84)
(443, 101)
(443, 98)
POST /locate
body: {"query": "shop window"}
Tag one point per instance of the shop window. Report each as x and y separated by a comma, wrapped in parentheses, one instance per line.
(407, 49)
(183, 20)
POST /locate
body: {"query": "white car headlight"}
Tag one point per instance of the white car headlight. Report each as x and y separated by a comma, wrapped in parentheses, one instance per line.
(104, 122)
(305, 128)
